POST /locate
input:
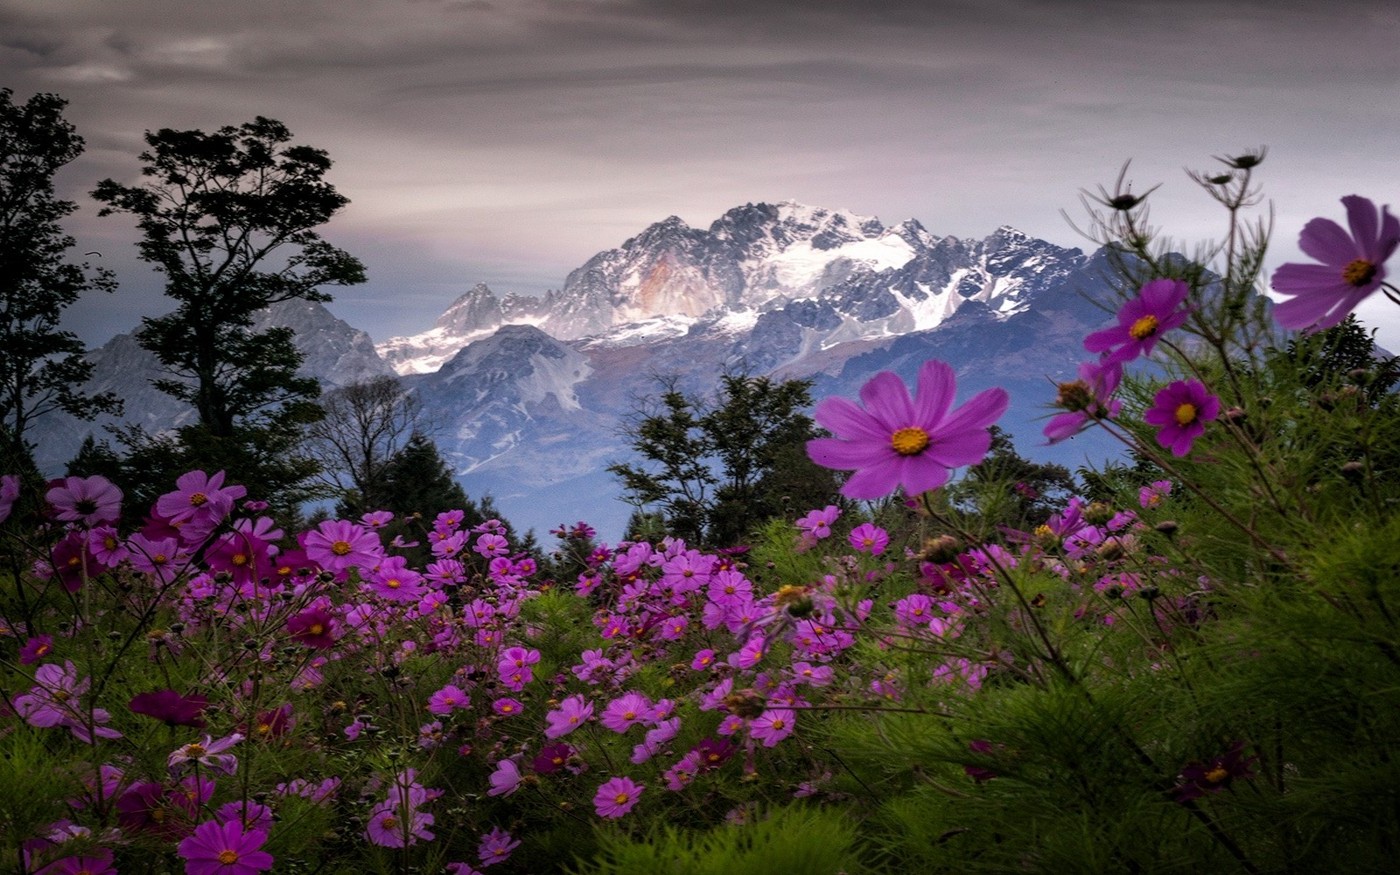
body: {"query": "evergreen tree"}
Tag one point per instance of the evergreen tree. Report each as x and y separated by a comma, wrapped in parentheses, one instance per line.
(41, 365)
(716, 470)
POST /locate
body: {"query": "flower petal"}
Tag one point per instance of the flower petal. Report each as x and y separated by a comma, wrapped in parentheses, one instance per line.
(886, 398)
(847, 455)
(1325, 240)
(1361, 216)
(847, 420)
(937, 385)
(983, 409)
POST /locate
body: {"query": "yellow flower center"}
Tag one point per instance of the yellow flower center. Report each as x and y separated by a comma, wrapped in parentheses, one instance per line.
(620, 798)
(393, 583)
(340, 548)
(1143, 327)
(159, 559)
(1217, 775)
(909, 441)
(1185, 413)
(1359, 272)
(228, 857)
(390, 822)
(60, 695)
(194, 751)
(240, 559)
(316, 629)
(199, 499)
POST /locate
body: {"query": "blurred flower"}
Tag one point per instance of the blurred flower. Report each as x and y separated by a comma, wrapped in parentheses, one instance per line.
(1197, 778)
(496, 846)
(869, 538)
(171, 708)
(1086, 400)
(85, 500)
(895, 441)
(1353, 266)
(1180, 412)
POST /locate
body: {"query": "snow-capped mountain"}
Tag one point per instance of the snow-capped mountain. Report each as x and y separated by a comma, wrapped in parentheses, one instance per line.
(527, 396)
(535, 390)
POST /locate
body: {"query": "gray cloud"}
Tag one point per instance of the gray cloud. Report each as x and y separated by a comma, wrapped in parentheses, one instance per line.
(506, 142)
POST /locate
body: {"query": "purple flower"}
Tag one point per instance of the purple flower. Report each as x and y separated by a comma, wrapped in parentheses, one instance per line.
(869, 538)
(496, 846)
(171, 707)
(85, 500)
(225, 849)
(208, 753)
(1086, 400)
(570, 715)
(817, 523)
(1353, 266)
(9, 493)
(198, 503)
(1180, 411)
(1197, 778)
(339, 544)
(773, 725)
(1141, 321)
(897, 441)
(448, 699)
(617, 797)
(506, 779)
(315, 627)
(35, 649)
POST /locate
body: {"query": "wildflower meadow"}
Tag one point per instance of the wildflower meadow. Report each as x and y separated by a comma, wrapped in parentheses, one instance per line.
(1192, 665)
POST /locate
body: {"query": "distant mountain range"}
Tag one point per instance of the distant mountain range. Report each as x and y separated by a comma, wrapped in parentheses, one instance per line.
(527, 395)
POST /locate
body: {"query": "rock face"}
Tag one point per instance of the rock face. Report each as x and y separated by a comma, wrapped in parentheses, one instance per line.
(532, 393)
(526, 397)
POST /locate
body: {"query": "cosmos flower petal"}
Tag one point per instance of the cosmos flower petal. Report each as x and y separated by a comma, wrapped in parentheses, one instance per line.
(1326, 241)
(873, 482)
(937, 384)
(983, 409)
(1361, 216)
(919, 476)
(848, 421)
(847, 455)
(887, 399)
(960, 448)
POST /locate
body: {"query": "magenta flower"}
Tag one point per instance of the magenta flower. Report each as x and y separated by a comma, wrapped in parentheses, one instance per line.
(617, 797)
(171, 708)
(570, 715)
(1180, 411)
(1086, 400)
(869, 538)
(339, 544)
(897, 441)
(35, 649)
(9, 494)
(496, 846)
(315, 627)
(773, 725)
(626, 711)
(1353, 266)
(198, 503)
(225, 849)
(506, 779)
(86, 500)
(1156, 310)
(817, 523)
(207, 753)
(448, 699)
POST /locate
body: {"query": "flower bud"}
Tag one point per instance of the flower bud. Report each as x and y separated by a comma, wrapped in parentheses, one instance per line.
(944, 548)
(1166, 527)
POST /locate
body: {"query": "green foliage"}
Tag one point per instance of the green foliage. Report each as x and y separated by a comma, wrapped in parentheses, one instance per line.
(41, 365)
(716, 469)
(796, 838)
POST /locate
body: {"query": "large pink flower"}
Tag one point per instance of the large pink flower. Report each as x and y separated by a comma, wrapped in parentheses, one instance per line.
(898, 441)
(1353, 266)
(225, 849)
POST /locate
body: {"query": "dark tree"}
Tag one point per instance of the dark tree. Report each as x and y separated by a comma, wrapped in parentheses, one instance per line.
(715, 470)
(229, 218)
(1013, 491)
(365, 425)
(41, 365)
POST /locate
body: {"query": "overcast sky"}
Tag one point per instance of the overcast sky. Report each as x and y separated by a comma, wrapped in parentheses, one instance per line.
(506, 141)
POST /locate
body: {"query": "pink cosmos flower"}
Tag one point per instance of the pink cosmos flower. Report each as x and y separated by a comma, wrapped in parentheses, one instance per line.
(54, 701)
(1156, 310)
(1088, 399)
(337, 545)
(496, 846)
(773, 725)
(1353, 266)
(505, 780)
(198, 503)
(448, 699)
(35, 649)
(314, 627)
(617, 797)
(86, 500)
(171, 708)
(817, 523)
(1180, 411)
(626, 711)
(898, 441)
(869, 538)
(208, 753)
(225, 849)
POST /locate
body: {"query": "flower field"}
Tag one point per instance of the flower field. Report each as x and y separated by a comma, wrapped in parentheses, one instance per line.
(1193, 665)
